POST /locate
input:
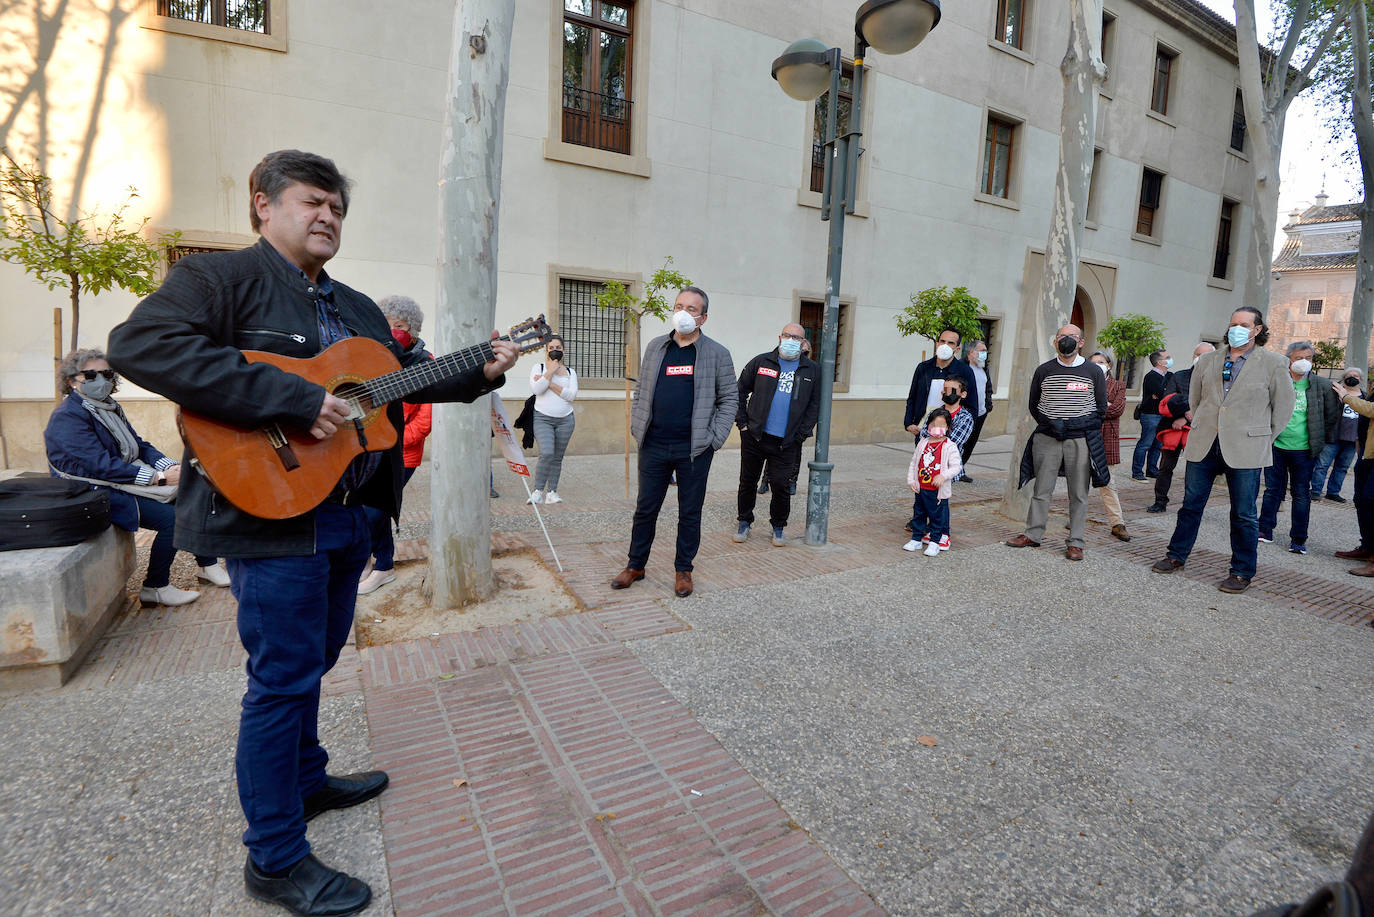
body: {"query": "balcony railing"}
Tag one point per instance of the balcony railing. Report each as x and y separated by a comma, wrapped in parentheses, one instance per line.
(596, 119)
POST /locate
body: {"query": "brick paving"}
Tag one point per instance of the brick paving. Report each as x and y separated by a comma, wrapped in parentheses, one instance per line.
(538, 768)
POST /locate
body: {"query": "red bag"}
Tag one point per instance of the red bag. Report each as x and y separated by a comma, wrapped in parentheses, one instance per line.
(1169, 438)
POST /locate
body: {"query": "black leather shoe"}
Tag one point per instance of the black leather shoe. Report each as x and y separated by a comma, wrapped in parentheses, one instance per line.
(310, 888)
(345, 791)
(1156, 508)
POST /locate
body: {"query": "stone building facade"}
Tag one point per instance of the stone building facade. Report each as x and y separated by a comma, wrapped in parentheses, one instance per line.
(637, 129)
(1314, 276)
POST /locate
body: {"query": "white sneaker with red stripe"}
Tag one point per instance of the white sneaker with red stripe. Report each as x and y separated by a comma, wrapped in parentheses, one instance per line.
(943, 542)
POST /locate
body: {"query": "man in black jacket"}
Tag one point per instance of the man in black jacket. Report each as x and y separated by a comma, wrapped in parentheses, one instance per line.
(1176, 413)
(927, 382)
(1145, 459)
(295, 579)
(779, 401)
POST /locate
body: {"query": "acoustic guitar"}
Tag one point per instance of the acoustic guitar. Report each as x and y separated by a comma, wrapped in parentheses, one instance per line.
(276, 472)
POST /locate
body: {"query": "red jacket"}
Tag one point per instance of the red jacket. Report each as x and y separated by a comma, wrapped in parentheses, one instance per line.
(419, 420)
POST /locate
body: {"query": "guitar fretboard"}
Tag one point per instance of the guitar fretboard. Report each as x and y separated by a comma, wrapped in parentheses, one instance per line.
(393, 386)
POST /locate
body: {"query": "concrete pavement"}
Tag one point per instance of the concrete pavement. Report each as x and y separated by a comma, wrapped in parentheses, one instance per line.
(1105, 740)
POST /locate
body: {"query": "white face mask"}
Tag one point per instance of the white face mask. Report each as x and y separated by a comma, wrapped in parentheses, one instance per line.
(980, 357)
(1302, 367)
(944, 352)
(684, 322)
(1103, 367)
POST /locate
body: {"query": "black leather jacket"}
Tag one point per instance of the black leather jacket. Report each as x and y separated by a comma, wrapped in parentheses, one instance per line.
(184, 343)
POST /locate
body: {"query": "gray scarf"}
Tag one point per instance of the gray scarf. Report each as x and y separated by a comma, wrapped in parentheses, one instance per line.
(111, 415)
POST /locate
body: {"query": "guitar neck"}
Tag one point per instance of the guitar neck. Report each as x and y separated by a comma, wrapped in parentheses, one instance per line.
(397, 385)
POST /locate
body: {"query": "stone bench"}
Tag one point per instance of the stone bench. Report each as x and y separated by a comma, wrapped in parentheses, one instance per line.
(55, 603)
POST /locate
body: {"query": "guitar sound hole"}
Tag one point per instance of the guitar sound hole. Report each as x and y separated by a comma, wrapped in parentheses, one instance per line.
(356, 395)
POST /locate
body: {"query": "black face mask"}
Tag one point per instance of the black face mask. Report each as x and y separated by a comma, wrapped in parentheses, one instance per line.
(1067, 346)
(950, 397)
(556, 355)
(1351, 382)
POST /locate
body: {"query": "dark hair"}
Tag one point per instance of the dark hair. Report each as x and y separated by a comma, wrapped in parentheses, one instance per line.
(963, 386)
(705, 300)
(1263, 337)
(940, 414)
(956, 333)
(1155, 355)
(281, 169)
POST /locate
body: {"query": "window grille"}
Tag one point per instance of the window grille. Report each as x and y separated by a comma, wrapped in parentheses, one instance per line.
(247, 15)
(593, 337)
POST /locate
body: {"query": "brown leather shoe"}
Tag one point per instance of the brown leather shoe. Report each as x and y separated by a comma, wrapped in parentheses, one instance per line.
(1021, 541)
(1234, 584)
(1356, 554)
(1073, 553)
(682, 583)
(626, 578)
(1167, 565)
(1119, 533)
(1366, 570)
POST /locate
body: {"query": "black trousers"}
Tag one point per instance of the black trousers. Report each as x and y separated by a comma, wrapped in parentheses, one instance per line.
(1364, 501)
(973, 438)
(782, 471)
(657, 465)
(1168, 461)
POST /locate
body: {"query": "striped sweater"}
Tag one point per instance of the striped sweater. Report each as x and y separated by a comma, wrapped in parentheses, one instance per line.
(1068, 393)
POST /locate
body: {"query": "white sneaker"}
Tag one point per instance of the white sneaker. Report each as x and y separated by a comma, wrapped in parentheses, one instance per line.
(932, 549)
(552, 497)
(375, 580)
(214, 574)
(536, 497)
(912, 545)
(166, 595)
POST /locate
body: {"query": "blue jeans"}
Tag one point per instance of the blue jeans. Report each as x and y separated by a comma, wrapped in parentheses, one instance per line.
(929, 515)
(1243, 483)
(161, 518)
(1147, 447)
(1336, 457)
(1291, 467)
(379, 528)
(295, 614)
(656, 468)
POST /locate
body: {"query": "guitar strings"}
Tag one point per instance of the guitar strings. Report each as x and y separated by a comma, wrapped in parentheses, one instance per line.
(394, 385)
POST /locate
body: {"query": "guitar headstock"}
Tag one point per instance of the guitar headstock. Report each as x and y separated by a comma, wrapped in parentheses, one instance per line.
(531, 334)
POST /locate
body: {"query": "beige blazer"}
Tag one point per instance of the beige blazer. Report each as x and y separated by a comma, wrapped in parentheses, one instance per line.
(1249, 418)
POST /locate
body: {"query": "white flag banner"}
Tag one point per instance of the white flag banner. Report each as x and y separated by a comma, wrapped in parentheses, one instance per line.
(505, 437)
(515, 460)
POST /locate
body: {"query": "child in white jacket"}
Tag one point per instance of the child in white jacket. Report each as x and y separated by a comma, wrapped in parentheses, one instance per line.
(934, 465)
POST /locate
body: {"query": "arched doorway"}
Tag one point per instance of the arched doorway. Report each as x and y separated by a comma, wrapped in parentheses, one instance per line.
(1082, 307)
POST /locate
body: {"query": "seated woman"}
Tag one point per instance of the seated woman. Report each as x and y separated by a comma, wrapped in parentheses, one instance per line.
(89, 437)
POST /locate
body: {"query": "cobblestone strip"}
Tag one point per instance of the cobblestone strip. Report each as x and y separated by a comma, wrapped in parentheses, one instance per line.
(582, 787)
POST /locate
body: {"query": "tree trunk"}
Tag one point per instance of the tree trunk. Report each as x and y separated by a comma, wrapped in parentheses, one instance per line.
(75, 280)
(1362, 118)
(1264, 128)
(1083, 72)
(465, 307)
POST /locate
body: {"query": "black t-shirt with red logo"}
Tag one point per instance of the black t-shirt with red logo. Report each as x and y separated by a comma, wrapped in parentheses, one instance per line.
(670, 424)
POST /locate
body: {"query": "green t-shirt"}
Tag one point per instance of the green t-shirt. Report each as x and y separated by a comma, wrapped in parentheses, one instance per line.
(1294, 436)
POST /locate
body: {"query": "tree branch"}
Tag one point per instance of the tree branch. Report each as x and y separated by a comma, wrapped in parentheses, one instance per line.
(1297, 86)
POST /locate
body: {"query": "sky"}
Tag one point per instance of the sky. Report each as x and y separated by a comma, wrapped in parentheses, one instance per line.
(1309, 163)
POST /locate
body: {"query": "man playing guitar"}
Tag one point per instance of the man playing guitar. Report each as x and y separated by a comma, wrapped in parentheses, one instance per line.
(295, 578)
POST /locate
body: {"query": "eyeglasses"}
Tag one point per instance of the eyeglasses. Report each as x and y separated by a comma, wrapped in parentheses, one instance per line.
(90, 374)
(1226, 370)
(793, 337)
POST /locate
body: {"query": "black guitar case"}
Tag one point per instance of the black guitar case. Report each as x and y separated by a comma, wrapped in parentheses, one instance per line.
(44, 512)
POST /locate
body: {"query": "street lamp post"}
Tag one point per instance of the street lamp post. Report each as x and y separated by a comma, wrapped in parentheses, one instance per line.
(804, 71)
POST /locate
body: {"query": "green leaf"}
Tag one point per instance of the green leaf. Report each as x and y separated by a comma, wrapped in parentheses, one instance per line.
(933, 310)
